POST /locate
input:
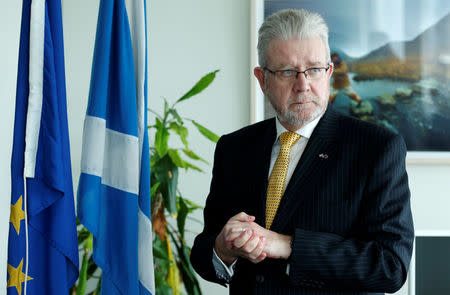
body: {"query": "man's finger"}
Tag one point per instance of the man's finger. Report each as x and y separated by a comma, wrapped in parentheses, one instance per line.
(232, 235)
(234, 229)
(242, 239)
(251, 245)
(243, 217)
(261, 257)
(258, 249)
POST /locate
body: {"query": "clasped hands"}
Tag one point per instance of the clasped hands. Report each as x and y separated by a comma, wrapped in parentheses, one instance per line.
(242, 237)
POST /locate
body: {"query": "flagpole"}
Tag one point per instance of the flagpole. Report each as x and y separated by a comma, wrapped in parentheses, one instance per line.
(34, 108)
(25, 193)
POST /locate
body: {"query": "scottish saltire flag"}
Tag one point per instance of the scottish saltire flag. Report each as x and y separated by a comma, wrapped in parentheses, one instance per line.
(114, 188)
(42, 246)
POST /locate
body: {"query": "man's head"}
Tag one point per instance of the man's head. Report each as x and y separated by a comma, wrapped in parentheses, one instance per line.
(295, 40)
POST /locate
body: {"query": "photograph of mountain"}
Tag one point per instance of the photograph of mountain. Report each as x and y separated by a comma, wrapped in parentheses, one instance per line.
(397, 59)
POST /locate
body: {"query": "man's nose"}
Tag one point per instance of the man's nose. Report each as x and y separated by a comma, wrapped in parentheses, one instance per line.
(301, 83)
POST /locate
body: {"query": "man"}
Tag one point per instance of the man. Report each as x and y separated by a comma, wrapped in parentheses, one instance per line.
(341, 82)
(310, 202)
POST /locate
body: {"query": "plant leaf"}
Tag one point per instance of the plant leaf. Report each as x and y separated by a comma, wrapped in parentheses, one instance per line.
(161, 258)
(153, 157)
(83, 234)
(182, 214)
(199, 86)
(166, 172)
(159, 223)
(162, 140)
(161, 285)
(189, 278)
(154, 187)
(82, 280)
(192, 206)
(191, 166)
(206, 132)
(181, 131)
(158, 123)
(176, 116)
(173, 278)
(160, 249)
(166, 107)
(193, 155)
(177, 160)
(89, 243)
(92, 267)
(99, 286)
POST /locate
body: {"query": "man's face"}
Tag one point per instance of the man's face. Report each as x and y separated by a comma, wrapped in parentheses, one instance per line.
(300, 101)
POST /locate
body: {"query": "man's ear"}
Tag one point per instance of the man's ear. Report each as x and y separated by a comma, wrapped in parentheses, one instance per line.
(330, 71)
(259, 74)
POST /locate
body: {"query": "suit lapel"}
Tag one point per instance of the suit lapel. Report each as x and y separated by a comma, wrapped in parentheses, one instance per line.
(321, 146)
(263, 150)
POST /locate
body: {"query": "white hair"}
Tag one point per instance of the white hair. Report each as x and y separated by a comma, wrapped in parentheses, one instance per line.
(289, 23)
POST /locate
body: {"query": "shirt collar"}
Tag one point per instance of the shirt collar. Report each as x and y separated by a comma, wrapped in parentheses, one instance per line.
(304, 131)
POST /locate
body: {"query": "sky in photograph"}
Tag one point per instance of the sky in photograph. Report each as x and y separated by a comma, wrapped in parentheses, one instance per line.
(360, 26)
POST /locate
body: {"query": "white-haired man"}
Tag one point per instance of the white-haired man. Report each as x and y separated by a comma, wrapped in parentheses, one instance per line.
(309, 202)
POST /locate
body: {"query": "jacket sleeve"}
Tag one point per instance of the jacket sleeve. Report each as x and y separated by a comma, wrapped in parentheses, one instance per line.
(377, 257)
(214, 219)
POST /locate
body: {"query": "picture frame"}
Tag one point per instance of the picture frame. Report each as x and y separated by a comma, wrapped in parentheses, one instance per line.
(433, 147)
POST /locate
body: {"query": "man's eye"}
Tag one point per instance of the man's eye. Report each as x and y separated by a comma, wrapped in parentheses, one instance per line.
(287, 73)
(314, 70)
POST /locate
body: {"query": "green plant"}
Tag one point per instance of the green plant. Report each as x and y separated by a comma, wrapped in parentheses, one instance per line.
(173, 268)
(89, 270)
(169, 207)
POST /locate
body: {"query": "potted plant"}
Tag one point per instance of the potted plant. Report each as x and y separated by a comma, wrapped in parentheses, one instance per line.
(169, 208)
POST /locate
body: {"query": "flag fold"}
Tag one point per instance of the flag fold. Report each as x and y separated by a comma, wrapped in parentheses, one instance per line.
(114, 187)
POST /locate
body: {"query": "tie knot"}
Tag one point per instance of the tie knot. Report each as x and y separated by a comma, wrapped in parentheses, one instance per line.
(288, 139)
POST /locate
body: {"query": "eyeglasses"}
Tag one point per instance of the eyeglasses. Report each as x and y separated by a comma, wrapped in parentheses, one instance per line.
(291, 75)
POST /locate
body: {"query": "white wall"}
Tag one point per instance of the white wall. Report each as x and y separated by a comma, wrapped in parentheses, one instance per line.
(186, 40)
(430, 198)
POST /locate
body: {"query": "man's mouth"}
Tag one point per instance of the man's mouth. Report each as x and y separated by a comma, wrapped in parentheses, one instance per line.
(302, 102)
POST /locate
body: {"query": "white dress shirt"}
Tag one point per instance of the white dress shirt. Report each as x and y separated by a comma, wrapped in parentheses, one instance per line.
(224, 272)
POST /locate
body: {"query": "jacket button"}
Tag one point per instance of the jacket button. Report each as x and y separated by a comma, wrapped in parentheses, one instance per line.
(259, 279)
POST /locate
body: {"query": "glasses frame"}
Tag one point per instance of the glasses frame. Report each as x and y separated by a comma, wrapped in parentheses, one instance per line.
(307, 77)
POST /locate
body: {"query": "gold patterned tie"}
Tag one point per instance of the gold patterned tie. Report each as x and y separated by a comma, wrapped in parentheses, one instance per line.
(277, 178)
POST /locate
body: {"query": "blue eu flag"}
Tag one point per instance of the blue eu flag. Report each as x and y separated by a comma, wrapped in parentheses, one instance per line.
(42, 246)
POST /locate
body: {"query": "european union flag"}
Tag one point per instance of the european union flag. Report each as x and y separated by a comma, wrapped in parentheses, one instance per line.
(114, 187)
(42, 246)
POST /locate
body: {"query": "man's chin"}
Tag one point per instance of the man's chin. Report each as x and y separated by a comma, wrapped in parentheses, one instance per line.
(301, 117)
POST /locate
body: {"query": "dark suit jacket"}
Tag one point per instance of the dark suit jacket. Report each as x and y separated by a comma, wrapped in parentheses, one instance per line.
(349, 213)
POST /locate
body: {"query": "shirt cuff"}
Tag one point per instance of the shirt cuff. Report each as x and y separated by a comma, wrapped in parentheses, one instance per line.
(223, 271)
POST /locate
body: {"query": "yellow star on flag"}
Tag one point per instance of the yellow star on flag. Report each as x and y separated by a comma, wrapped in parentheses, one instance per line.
(17, 214)
(17, 277)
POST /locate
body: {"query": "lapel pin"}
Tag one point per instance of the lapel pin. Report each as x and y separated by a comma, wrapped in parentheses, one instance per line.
(323, 156)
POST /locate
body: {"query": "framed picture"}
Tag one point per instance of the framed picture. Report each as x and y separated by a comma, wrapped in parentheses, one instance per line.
(392, 61)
